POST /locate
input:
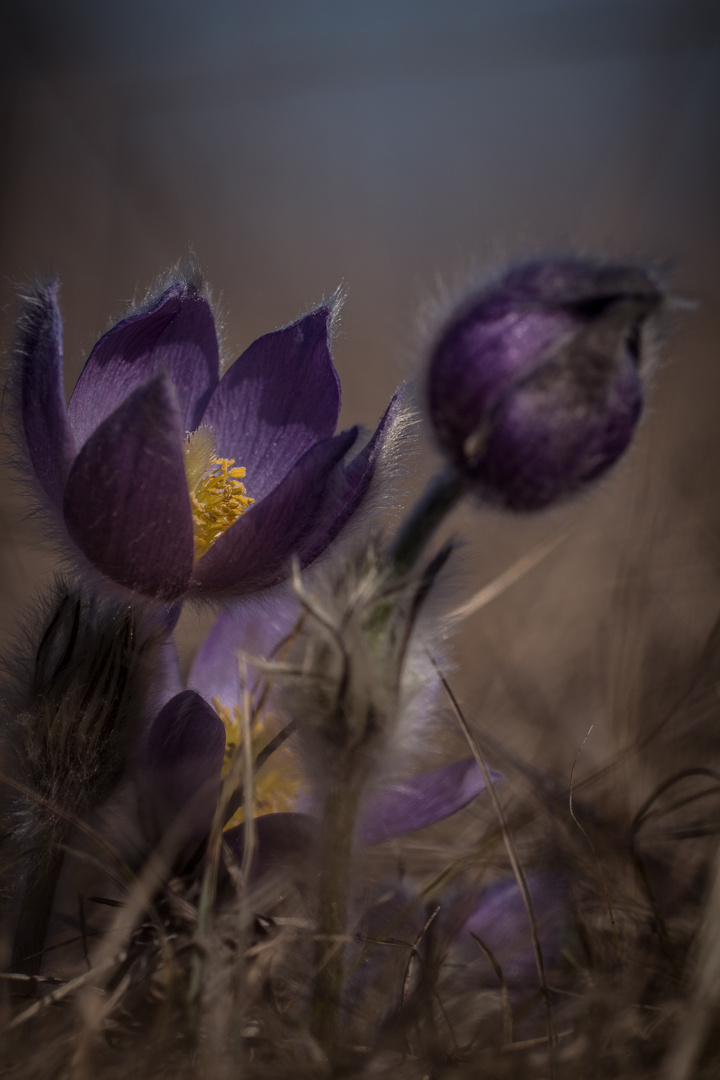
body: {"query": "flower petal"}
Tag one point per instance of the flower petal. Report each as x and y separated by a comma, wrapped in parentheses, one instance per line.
(181, 764)
(420, 801)
(42, 400)
(255, 552)
(126, 500)
(277, 399)
(500, 920)
(253, 627)
(349, 487)
(176, 335)
(167, 679)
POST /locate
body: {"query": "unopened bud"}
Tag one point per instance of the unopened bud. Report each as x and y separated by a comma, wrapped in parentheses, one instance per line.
(535, 384)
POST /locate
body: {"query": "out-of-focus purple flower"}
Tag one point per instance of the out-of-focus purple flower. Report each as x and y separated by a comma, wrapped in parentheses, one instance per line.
(172, 481)
(535, 384)
(183, 755)
(497, 931)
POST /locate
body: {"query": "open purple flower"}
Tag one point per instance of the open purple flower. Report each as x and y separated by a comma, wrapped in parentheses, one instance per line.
(188, 743)
(172, 481)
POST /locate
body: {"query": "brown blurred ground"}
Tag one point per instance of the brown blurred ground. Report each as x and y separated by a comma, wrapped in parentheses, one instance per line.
(386, 144)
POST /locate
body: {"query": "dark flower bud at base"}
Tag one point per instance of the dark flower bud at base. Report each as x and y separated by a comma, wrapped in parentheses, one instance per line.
(535, 384)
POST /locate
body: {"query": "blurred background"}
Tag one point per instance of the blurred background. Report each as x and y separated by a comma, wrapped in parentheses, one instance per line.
(389, 146)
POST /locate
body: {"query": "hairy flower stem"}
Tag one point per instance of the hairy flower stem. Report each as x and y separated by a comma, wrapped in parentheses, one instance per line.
(441, 496)
(37, 901)
(338, 828)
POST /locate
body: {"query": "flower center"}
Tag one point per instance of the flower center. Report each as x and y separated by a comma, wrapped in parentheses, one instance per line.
(278, 782)
(217, 495)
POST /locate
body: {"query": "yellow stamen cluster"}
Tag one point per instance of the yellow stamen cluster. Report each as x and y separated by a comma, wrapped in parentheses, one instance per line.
(278, 782)
(217, 495)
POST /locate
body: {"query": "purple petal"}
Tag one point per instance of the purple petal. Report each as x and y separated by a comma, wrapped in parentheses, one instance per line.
(177, 335)
(500, 920)
(349, 487)
(256, 551)
(420, 801)
(281, 841)
(42, 400)
(253, 627)
(281, 396)
(126, 500)
(181, 764)
(167, 680)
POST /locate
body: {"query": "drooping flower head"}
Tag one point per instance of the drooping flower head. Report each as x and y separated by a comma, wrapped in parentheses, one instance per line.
(173, 481)
(535, 384)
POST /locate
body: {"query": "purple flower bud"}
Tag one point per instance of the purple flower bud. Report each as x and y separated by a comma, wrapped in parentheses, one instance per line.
(535, 384)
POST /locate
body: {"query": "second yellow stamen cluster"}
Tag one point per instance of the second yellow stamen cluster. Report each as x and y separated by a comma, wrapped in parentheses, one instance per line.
(278, 783)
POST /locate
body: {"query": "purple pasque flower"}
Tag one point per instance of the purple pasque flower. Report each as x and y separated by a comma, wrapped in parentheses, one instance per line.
(182, 760)
(172, 481)
(496, 931)
(535, 383)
